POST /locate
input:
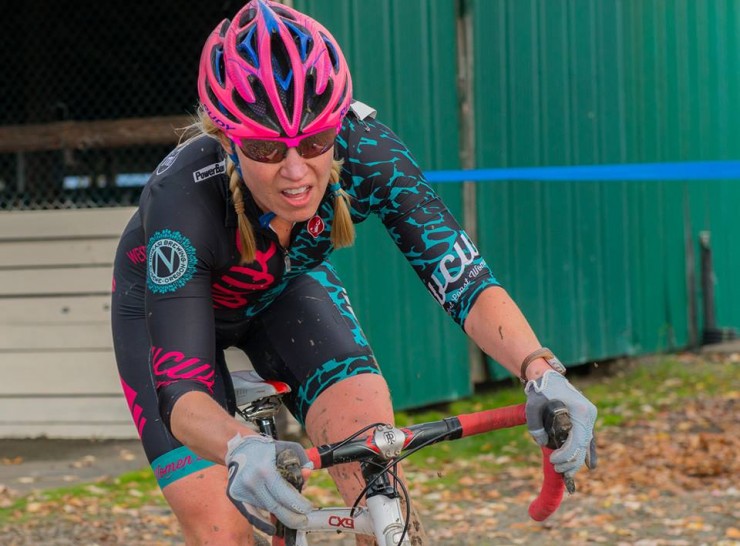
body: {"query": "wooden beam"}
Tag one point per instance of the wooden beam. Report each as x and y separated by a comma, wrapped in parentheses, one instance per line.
(35, 225)
(84, 135)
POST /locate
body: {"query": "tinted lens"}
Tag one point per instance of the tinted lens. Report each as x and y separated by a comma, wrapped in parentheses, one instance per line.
(317, 144)
(264, 151)
(273, 151)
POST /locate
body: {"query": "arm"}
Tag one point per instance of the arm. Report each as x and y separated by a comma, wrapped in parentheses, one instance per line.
(500, 329)
(183, 225)
(382, 177)
(183, 240)
(451, 267)
(200, 423)
(392, 185)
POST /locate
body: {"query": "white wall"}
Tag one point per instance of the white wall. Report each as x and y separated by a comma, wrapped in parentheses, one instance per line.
(58, 375)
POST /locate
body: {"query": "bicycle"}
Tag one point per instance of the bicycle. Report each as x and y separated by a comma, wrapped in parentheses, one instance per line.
(258, 401)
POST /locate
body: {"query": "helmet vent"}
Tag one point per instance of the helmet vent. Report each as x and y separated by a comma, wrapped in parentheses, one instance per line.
(247, 17)
(282, 12)
(218, 64)
(343, 96)
(314, 104)
(224, 28)
(333, 57)
(302, 39)
(261, 109)
(283, 71)
(221, 108)
(248, 47)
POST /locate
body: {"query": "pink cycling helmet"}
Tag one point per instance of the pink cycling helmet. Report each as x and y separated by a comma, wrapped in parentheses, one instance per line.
(273, 72)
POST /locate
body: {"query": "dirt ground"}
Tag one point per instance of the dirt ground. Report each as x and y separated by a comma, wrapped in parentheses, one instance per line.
(31, 465)
(672, 479)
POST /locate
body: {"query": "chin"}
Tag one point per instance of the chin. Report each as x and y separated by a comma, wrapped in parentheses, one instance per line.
(298, 216)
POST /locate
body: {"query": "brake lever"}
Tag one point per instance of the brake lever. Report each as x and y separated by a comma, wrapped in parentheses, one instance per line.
(289, 466)
(558, 425)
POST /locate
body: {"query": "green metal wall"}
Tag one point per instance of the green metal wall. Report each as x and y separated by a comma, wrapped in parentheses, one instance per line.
(600, 268)
(395, 51)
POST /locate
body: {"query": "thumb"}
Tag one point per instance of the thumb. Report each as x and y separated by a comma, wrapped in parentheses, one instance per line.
(591, 458)
(534, 422)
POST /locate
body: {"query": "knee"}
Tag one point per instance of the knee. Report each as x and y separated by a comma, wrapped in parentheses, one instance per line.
(204, 512)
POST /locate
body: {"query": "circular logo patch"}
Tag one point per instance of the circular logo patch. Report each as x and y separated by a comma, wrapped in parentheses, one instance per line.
(169, 160)
(170, 261)
(315, 226)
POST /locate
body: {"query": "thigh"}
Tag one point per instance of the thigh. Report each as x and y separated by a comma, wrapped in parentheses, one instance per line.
(343, 409)
(347, 406)
(310, 339)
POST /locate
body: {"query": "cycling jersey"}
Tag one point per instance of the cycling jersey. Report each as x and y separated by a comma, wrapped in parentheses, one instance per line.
(178, 266)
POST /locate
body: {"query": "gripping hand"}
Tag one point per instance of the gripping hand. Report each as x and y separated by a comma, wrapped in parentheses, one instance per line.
(255, 484)
(580, 446)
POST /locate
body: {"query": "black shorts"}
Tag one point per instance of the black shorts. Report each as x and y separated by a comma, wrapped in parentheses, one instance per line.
(308, 338)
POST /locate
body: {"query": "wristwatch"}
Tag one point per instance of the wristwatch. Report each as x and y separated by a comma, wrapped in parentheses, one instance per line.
(548, 355)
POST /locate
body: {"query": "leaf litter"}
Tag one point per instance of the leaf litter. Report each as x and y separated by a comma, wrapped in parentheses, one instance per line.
(667, 476)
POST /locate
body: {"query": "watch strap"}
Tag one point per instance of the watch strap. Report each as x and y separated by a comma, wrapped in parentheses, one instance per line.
(542, 352)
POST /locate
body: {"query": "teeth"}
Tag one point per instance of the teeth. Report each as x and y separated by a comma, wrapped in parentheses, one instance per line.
(296, 191)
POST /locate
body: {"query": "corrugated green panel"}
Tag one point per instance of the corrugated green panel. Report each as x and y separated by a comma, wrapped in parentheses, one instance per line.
(402, 57)
(538, 101)
(599, 268)
(685, 74)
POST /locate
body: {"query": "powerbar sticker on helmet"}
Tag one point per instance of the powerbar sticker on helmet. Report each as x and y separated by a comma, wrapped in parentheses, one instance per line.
(170, 261)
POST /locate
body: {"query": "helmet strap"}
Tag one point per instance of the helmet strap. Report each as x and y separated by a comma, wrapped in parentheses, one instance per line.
(235, 158)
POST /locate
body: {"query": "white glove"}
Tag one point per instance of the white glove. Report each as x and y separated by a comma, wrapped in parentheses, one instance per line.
(580, 446)
(255, 484)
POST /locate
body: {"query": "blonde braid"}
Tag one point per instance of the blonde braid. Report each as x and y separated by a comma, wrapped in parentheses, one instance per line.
(342, 228)
(246, 232)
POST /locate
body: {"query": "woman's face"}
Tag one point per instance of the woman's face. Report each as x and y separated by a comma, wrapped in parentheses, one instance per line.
(293, 188)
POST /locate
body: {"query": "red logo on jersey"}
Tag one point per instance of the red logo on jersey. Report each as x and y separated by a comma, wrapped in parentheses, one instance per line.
(315, 226)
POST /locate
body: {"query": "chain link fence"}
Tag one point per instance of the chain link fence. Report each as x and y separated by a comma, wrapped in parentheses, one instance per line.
(91, 92)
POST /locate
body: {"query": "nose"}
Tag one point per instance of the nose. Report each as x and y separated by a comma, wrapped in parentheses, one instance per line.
(294, 166)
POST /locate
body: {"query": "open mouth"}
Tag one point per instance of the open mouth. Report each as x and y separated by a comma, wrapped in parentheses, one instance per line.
(297, 197)
(295, 192)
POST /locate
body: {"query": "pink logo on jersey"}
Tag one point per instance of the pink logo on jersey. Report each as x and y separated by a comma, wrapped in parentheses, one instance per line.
(172, 366)
(137, 255)
(315, 226)
(231, 289)
(135, 409)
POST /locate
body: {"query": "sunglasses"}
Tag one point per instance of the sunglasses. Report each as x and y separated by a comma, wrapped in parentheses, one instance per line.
(274, 150)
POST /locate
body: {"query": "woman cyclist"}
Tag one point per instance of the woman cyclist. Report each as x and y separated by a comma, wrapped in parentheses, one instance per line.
(230, 248)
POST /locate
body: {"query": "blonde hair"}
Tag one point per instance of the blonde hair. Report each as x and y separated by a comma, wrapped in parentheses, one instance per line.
(342, 227)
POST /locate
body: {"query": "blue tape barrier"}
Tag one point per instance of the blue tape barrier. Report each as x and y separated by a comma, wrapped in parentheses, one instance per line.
(693, 170)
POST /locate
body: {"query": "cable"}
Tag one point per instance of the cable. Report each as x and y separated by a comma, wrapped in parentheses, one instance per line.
(386, 469)
(355, 435)
(405, 496)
